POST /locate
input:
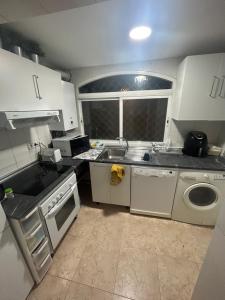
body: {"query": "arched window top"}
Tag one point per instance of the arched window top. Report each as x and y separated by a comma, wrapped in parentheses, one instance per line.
(125, 83)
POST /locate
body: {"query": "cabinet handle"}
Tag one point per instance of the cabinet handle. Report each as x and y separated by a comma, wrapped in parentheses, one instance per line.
(35, 86)
(216, 79)
(38, 88)
(221, 90)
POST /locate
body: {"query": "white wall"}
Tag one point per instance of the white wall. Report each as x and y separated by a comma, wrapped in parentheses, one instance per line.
(14, 149)
(164, 66)
(168, 67)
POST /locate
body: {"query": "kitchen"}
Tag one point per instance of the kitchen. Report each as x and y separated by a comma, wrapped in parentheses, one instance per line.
(112, 155)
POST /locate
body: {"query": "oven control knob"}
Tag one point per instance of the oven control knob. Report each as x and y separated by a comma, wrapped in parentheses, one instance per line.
(206, 176)
(57, 198)
(61, 194)
(70, 185)
(53, 202)
(50, 207)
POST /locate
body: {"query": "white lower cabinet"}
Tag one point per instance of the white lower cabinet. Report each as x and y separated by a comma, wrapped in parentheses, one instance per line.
(103, 191)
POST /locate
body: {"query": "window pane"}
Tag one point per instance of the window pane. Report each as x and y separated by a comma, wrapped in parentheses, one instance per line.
(144, 119)
(125, 82)
(101, 119)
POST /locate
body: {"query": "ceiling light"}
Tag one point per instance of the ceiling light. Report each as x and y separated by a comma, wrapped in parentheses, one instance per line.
(140, 33)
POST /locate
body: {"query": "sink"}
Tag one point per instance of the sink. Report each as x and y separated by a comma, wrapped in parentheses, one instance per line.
(137, 154)
(122, 154)
(113, 153)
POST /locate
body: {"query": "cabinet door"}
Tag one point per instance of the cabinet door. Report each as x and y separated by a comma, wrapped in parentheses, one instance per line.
(49, 87)
(17, 85)
(120, 194)
(100, 176)
(198, 86)
(103, 191)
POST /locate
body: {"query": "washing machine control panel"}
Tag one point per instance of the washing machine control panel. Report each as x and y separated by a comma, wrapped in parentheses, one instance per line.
(219, 176)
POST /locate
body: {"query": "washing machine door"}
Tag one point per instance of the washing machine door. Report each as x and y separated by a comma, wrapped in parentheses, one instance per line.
(202, 196)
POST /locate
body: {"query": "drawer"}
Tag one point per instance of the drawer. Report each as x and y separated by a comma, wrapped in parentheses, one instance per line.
(42, 270)
(30, 222)
(41, 253)
(35, 238)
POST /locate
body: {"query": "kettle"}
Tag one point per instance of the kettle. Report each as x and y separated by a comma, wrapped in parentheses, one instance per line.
(196, 144)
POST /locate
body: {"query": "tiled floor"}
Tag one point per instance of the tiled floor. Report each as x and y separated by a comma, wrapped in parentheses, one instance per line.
(109, 254)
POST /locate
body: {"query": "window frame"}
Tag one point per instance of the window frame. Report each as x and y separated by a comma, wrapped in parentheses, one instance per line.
(129, 95)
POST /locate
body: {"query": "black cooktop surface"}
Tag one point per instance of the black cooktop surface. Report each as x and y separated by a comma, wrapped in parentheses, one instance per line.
(31, 185)
(33, 180)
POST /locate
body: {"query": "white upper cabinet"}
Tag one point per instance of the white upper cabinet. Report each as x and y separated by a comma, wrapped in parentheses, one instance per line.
(200, 91)
(68, 109)
(25, 85)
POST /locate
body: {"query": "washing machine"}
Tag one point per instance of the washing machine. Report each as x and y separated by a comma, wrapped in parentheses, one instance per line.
(198, 197)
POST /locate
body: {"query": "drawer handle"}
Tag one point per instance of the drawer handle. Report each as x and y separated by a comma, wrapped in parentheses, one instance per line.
(39, 250)
(34, 232)
(44, 262)
(30, 214)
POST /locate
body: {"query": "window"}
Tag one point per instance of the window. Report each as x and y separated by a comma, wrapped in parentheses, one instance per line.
(126, 82)
(101, 119)
(144, 119)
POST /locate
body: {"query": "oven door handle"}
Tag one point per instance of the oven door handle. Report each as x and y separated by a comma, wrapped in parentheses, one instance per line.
(62, 202)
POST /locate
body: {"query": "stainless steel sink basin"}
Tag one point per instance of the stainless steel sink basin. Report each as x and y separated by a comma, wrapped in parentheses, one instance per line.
(136, 154)
(121, 154)
(113, 153)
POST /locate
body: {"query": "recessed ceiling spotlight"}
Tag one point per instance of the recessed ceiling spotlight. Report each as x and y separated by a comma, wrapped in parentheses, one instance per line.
(140, 33)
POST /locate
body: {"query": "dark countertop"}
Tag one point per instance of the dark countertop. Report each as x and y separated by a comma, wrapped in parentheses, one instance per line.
(169, 160)
(19, 206)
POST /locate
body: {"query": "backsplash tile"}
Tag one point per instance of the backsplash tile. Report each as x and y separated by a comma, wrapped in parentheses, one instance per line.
(15, 150)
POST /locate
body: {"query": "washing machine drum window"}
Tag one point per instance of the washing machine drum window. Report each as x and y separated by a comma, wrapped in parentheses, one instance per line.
(201, 195)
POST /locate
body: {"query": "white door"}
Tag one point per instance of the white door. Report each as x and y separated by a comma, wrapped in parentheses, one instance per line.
(198, 88)
(210, 284)
(17, 83)
(15, 278)
(48, 87)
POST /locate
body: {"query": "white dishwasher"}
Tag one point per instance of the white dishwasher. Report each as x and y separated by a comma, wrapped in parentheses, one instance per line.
(152, 191)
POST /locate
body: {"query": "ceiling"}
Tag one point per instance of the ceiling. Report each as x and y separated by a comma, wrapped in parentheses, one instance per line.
(98, 34)
(12, 10)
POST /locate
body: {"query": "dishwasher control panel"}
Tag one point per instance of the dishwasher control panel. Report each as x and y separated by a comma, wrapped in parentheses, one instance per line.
(149, 172)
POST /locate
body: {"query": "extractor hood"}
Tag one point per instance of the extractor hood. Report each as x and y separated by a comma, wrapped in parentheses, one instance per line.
(20, 119)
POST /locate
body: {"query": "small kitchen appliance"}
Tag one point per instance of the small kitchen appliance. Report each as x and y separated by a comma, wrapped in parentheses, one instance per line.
(196, 144)
(51, 155)
(72, 145)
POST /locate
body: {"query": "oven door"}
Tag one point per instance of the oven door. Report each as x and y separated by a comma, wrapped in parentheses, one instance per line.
(62, 215)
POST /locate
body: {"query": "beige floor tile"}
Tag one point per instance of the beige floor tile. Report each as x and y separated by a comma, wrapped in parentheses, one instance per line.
(67, 257)
(177, 278)
(167, 237)
(51, 288)
(78, 291)
(115, 297)
(97, 268)
(137, 275)
(181, 240)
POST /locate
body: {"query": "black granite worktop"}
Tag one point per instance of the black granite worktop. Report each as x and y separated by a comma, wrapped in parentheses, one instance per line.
(173, 160)
(19, 206)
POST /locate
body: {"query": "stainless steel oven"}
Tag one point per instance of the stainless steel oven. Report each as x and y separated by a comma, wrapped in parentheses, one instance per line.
(60, 209)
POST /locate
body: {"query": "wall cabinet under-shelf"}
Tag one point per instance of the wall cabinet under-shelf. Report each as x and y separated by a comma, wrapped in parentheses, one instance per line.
(200, 92)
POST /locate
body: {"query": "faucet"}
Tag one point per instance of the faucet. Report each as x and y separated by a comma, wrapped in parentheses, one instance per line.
(123, 139)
